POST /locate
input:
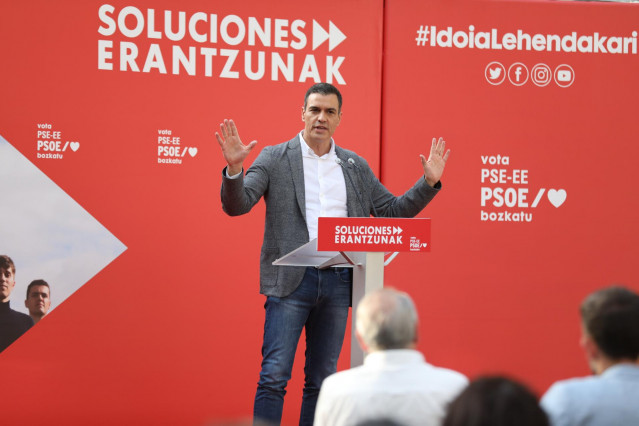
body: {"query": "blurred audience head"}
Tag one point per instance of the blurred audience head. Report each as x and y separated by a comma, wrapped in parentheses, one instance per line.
(386, 319)
(610, 327)
(495, 401)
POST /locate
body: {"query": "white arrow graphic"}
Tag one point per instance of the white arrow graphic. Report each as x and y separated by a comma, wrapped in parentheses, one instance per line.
(67, 246)
(320, 35)
(335, 36)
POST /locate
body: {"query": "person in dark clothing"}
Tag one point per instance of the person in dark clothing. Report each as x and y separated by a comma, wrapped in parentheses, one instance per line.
(13, 324)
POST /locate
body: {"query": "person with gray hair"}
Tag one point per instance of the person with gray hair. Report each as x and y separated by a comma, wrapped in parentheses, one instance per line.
(395, 384)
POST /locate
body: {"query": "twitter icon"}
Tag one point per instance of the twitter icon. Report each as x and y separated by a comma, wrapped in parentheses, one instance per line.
(495, 73)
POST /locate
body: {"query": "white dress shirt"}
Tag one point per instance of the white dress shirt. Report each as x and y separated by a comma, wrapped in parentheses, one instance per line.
(324, 185)
(397, 385)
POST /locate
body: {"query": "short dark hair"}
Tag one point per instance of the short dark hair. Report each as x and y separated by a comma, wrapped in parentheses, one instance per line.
(611, 317)
(7, 263)
(495, 401)
(36, 283)
(324, 89)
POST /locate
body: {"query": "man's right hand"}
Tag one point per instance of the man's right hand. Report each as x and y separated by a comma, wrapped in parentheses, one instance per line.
(234, 151)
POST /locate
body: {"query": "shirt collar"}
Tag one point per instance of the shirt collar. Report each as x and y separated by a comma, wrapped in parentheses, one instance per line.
(394, 356)
(622, 370)
(308, 152)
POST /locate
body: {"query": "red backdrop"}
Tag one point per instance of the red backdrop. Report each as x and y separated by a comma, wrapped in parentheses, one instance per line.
(170, 332)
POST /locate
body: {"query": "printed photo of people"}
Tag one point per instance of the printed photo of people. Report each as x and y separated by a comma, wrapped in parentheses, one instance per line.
(52, 247)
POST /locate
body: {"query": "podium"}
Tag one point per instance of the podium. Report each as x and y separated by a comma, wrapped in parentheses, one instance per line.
(364, 244)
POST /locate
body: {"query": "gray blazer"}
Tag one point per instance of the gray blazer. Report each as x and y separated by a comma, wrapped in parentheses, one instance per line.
(277, 175)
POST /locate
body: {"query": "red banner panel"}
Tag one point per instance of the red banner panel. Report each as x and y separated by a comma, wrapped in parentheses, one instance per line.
(538, 205)
(115, 103)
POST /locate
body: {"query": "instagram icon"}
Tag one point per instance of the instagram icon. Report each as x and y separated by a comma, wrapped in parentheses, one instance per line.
(541, 75)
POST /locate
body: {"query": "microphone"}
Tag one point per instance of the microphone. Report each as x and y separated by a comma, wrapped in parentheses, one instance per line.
(359, 178)
(341, 163)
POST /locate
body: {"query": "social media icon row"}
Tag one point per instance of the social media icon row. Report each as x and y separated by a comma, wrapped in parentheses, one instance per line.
(518, 74)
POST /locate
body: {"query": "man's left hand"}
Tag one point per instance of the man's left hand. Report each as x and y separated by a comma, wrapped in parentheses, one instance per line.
(434, 166)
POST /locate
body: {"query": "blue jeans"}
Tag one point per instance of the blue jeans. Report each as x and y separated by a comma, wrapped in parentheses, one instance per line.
(320, 304)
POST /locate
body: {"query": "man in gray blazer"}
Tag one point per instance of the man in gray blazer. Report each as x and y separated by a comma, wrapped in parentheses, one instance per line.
(301, 180)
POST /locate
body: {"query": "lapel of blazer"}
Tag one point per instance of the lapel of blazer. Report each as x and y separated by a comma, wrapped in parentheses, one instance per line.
(352, 205)
(294, 154)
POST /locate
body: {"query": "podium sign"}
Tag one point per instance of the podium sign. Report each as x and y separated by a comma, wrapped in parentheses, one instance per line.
(360, 243)
(362, 234)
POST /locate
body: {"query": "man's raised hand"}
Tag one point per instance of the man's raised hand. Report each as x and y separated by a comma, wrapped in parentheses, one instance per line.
(234, 151)
(434, 166)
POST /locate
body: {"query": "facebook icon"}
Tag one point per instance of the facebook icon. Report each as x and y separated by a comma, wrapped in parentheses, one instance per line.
(518, 74)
